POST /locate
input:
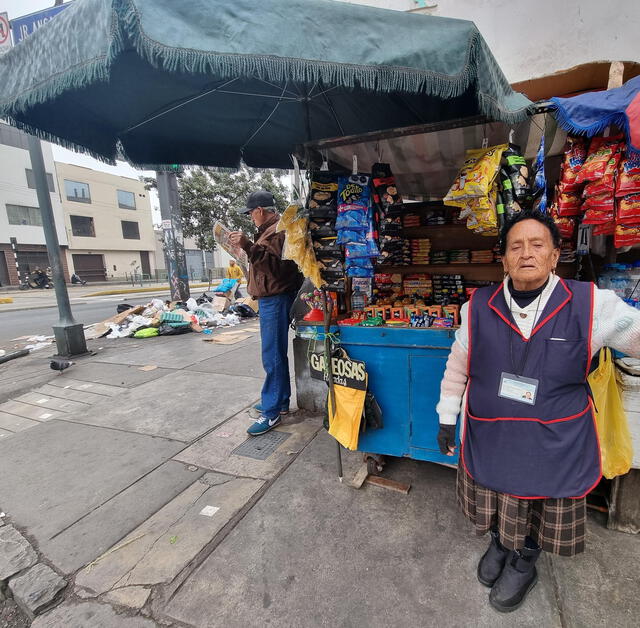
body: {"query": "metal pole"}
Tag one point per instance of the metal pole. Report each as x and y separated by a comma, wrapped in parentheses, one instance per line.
(172, 233)
(327, 358)
(69, 335)
(14, 249)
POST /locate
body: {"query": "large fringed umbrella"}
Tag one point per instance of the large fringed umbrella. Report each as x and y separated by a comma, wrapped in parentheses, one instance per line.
(212, 82)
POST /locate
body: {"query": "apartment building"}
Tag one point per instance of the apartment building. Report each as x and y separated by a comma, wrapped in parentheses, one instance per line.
(108, 223)
(20, 217)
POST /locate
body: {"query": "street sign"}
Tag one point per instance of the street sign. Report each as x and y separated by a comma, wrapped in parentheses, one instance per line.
(22, 27)
(5, 33)
(167, 224)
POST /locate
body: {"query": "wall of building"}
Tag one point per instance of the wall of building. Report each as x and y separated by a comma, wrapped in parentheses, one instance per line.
(121, 255)
(531, 39)
(14, 162)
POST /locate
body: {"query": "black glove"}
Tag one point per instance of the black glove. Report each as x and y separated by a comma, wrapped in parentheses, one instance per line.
(447, 438)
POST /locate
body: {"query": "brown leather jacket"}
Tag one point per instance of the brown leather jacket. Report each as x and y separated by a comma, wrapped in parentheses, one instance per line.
(269, 274)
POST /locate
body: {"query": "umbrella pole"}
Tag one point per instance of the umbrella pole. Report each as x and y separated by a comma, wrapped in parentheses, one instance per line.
(327, 357)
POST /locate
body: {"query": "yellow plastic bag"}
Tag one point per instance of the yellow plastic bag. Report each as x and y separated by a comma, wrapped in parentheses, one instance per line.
(344, 424)
(611, 420)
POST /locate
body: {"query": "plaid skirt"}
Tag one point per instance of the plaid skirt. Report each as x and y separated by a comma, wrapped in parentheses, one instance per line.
(556, 525)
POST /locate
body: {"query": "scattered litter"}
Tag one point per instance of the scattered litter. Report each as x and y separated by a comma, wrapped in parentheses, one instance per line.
(223, 434)
(148, 367)
(42, 400)
(173, 539)
(192, 468)
(37, 346)
(228, 340)
(2, 514)
(46, 415)
(13, 355)
(209, 511)
(2, 352)
(292, 453)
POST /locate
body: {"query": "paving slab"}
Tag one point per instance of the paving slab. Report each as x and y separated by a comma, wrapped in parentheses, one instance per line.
(600, 587)
(245, 361)
(29, 411)
(61, 471)
(36, 589)
(214, 450)
(181, 407)
(89, 615)
(16, 552)
(131, 597)
(15, 423)
(83, 396)
(315, 552)
(162, 546)
(174, 352)
(103, 527)
(75, 384)
(52, 403)
(122, 375)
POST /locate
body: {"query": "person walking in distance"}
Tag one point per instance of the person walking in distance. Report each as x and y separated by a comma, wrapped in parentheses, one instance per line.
(274, 282)
(234, 272)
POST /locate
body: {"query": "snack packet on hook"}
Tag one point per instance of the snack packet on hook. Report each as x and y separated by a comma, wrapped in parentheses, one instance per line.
(354, 190)
(516, 167)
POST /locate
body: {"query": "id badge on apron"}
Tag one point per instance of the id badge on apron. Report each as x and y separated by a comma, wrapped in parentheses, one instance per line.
(518, 388)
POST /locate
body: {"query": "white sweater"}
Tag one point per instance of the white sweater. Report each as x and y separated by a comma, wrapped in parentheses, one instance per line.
(615, 324)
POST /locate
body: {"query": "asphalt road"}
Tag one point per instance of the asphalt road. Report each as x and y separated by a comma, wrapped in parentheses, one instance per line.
(38, 322)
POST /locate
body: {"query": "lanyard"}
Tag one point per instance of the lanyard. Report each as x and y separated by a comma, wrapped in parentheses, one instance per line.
(523, 362)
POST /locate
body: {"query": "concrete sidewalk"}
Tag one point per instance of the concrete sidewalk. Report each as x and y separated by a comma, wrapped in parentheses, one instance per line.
(130, 476)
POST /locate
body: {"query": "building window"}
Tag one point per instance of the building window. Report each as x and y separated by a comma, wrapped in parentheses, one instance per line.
(126, 200)
(78, 192)
(82, 226)
(22, 215)
(130, 230)
(31, 180)
(10, 136)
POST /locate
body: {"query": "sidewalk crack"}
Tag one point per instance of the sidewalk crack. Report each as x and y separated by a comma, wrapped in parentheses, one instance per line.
(119, 583)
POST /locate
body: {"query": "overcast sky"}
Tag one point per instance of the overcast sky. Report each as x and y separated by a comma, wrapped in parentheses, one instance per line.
(18, 8)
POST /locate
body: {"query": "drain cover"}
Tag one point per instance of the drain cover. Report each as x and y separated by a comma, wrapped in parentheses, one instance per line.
(261, 447)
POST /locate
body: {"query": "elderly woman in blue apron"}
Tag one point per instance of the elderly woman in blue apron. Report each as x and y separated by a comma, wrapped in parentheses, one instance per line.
(529, 452)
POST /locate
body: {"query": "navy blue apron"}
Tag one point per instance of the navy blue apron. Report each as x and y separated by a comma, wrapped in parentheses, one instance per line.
(549, 449)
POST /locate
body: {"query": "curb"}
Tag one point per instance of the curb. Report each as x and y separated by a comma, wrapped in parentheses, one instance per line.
(107, 293)
(6, 300)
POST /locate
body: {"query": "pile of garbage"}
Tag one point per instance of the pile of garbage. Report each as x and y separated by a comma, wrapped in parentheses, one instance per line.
(170, 318)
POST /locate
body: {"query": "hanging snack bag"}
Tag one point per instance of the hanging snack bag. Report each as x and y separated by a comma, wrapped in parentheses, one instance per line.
(355, 218)
(476, 176)
(626, 236)
(568, 203)
(515, 166)
(602, 201)
(629, 209)
(605, 228)
(511, 206)
(629, 175)
(574, 157)
(324, 190)
(354, 190)
(540, 180)
(603, 157)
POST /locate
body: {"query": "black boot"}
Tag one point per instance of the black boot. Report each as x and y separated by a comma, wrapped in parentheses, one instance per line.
(518, 577)
(491, 564)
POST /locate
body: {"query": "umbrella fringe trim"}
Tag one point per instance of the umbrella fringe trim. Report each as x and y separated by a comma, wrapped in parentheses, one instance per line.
(280, 69)
(566, 123)
(60, 141)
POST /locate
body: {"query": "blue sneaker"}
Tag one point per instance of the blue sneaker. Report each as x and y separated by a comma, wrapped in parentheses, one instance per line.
(256, 411)
(263, 425)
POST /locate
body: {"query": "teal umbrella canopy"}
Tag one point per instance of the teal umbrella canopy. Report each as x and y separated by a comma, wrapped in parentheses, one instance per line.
(212, 82)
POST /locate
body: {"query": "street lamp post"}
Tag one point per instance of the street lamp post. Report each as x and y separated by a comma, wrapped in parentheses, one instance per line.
(69, 335)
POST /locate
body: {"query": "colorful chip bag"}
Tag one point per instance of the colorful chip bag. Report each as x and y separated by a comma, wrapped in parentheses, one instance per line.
(626, 236)
(476, 176)
(354, 190)
(603, 157)
(574, 156)
(514, 164)
(629, 209)
(629, 175)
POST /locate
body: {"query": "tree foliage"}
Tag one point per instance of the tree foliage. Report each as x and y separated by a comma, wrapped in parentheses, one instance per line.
(211, 194)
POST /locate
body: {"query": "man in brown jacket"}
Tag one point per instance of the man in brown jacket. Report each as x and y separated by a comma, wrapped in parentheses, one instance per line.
(275, 283)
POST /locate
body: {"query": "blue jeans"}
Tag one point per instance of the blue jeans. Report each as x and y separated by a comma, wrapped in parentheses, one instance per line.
(274, 333)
